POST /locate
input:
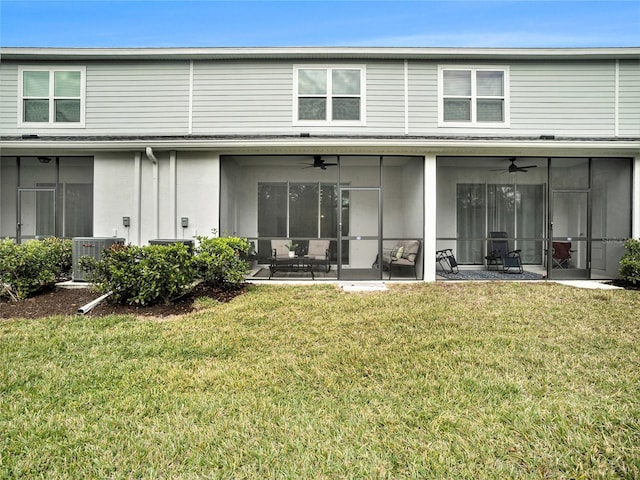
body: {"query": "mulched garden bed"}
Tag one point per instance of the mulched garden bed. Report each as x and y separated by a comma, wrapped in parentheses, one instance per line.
(67, 301)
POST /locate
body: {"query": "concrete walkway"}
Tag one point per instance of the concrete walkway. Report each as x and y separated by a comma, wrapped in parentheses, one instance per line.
(591, 284)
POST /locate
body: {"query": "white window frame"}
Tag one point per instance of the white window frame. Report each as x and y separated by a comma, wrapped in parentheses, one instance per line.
(506, 123)
(51, 123)
(329, 96)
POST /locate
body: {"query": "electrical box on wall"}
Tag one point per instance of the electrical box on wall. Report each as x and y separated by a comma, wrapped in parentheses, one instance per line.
(126, 221)
(184, 221)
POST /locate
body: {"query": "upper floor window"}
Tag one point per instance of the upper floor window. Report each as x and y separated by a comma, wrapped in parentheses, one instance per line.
(474, 96)
(328, 95)
(51, 96)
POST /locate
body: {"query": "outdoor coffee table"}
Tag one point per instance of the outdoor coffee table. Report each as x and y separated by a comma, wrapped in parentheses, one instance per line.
(290, 264)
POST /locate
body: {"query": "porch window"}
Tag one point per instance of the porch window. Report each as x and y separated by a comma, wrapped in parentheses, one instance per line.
(326, 95)
(51, 97)
(473, 96)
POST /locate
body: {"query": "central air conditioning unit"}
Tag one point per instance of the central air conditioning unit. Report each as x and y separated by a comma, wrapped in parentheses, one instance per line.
(89, 247)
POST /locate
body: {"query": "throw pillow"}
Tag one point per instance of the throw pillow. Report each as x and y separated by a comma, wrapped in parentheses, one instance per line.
(399, 253)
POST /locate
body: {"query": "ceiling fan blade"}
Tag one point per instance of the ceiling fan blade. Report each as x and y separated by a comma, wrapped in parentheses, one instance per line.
(529, 166)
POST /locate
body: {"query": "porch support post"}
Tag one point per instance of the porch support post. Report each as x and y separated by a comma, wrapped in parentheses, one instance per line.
(635, 205)
(215, 198)
(173, 202)
(137, 198)
(430, 209)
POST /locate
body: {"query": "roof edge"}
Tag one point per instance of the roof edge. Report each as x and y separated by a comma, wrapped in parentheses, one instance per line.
(230, 53)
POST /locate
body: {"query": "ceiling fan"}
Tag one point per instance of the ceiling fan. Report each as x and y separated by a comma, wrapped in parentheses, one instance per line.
(318, 162)
(513, 168)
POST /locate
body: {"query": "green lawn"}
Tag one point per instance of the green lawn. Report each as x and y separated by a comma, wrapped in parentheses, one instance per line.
(476, 380)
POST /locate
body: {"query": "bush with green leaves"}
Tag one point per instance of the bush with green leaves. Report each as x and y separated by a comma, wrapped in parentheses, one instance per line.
(27, 268)
(221, 261)
(630, 262)
(142, 275)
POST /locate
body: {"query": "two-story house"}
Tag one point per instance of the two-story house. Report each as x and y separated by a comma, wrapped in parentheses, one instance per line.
(360, 146)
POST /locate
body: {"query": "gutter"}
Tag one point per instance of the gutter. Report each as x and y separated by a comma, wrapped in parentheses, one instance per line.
(283, 144)
(94, 303)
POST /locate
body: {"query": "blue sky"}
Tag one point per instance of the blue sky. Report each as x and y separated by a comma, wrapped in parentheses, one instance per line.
(242, 23)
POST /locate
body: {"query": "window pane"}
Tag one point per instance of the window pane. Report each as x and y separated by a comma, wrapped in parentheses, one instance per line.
(346, 82)
(490, 83)
(470, 217)
(328, 211)
(75, 197)
(530, 215)
(457, 110)
(36, 84)
(490, 110)
(312, 82)
(346, 109)
(501, 204)
(457, 82)
(67, 110)
(312, 109)
(66, 84)
(303, 210)
(272, 209)
(36, 110)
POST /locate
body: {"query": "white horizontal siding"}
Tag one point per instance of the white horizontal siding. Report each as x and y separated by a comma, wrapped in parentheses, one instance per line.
(385, 98)
(8, 98)
(629, 98)
(137, 98)
(423, 98)
(563, 98)
(242, 97)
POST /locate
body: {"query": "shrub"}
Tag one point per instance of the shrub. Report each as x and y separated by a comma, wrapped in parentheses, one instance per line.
(28, 268)
(142, 275)
(630, 262)
(221, 261)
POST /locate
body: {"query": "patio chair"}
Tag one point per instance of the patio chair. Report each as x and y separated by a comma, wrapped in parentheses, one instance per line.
(318, 253)
(403, 254)
(561, 254)
(499, 255)
(279, 248)
(447, 261)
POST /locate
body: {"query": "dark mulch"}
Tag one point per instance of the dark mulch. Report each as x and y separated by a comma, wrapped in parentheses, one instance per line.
(624, 284)
(67, 301)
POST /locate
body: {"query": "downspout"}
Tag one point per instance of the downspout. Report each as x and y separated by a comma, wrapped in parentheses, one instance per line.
(155, 190)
